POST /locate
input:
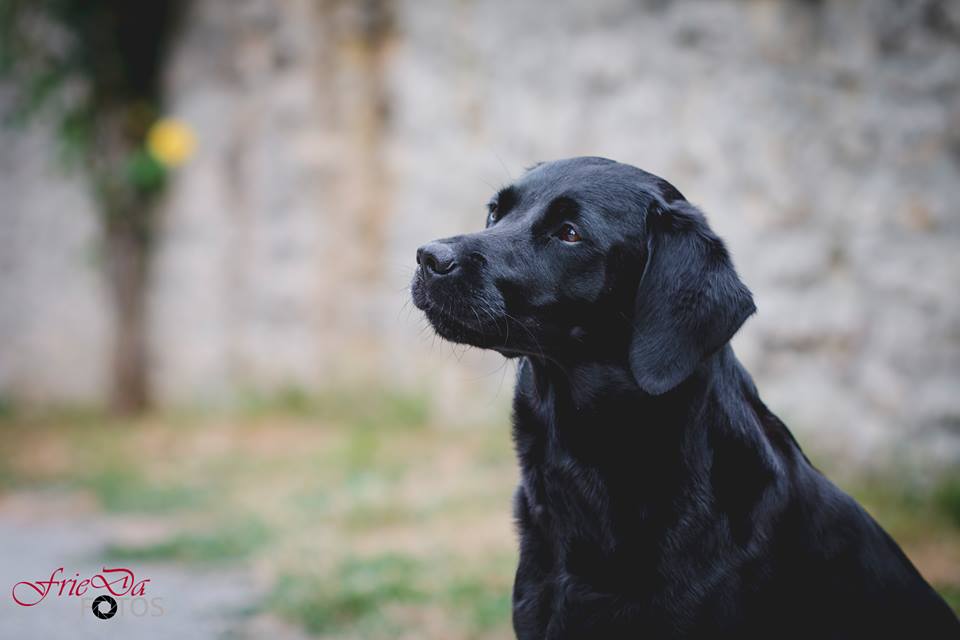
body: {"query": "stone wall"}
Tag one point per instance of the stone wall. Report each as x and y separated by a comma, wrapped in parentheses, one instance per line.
(821, 138)
(55, 325)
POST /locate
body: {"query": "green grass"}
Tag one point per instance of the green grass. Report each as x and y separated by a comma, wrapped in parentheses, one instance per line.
(370, 594)
(485, 605)
(232, 540)
(7, 409)
(909, 508)
(123, 489)
(386, 409)
(951, 593)
(355, 595)
(919, 515)
(946, 497)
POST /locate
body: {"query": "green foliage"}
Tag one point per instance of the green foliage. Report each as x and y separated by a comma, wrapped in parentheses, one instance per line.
(92, 68)
(144, 172)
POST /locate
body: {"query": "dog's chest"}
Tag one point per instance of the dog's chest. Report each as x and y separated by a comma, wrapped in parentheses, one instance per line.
(568, 499)
(571, 499)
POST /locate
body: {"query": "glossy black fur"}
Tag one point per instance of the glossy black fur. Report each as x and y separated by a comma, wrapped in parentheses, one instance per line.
(659, 498)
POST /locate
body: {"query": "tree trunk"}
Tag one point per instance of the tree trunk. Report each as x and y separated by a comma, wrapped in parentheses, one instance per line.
(127, 215)
(127, 254)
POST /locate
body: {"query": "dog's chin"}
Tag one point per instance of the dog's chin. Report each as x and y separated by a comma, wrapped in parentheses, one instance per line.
(449, 326)
(459, 322)
(452, 328)
(455, 330)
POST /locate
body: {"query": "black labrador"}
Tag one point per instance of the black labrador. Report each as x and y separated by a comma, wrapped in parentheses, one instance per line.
(659, 498)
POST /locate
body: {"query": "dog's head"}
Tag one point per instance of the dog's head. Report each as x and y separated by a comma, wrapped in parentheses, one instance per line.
(588, 258)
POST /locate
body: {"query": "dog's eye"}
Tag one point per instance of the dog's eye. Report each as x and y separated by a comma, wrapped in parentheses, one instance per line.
(492, 215)
(568, 234)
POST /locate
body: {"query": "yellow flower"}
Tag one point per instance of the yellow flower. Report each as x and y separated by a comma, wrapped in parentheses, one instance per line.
(171, 142)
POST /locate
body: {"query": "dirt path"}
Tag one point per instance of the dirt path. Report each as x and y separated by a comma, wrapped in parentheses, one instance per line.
(41, 531)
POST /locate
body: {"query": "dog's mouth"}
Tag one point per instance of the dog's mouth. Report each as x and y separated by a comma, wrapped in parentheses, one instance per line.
(476, 321)
(461, 320)
(454, 327)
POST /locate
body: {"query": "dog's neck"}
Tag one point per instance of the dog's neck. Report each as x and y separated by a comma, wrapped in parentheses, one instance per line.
(573, 388)
(645, 450)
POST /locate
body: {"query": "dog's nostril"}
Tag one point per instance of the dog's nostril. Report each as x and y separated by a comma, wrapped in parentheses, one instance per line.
(436, 259)
(439, 265)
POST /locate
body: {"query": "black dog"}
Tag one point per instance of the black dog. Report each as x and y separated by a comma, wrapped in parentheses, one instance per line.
(659, 497)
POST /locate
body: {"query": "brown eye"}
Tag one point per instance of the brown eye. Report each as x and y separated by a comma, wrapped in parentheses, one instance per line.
(568, 234)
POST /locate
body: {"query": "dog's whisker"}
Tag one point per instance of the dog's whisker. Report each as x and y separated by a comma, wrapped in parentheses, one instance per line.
(405, 307)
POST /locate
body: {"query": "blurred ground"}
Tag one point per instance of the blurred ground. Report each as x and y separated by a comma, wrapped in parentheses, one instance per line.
(343, 516)
(349, 519)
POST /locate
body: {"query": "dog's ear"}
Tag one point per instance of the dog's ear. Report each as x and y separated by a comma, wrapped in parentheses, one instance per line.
(689, 301)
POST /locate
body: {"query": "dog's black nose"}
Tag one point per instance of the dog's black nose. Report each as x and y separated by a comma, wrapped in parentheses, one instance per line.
(436, 259)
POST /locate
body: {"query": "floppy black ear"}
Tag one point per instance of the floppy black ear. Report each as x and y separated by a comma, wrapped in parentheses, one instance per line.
(689, 302)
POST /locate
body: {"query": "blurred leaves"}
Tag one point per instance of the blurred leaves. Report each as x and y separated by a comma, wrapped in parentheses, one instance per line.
(144, 172)
(93, 68)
